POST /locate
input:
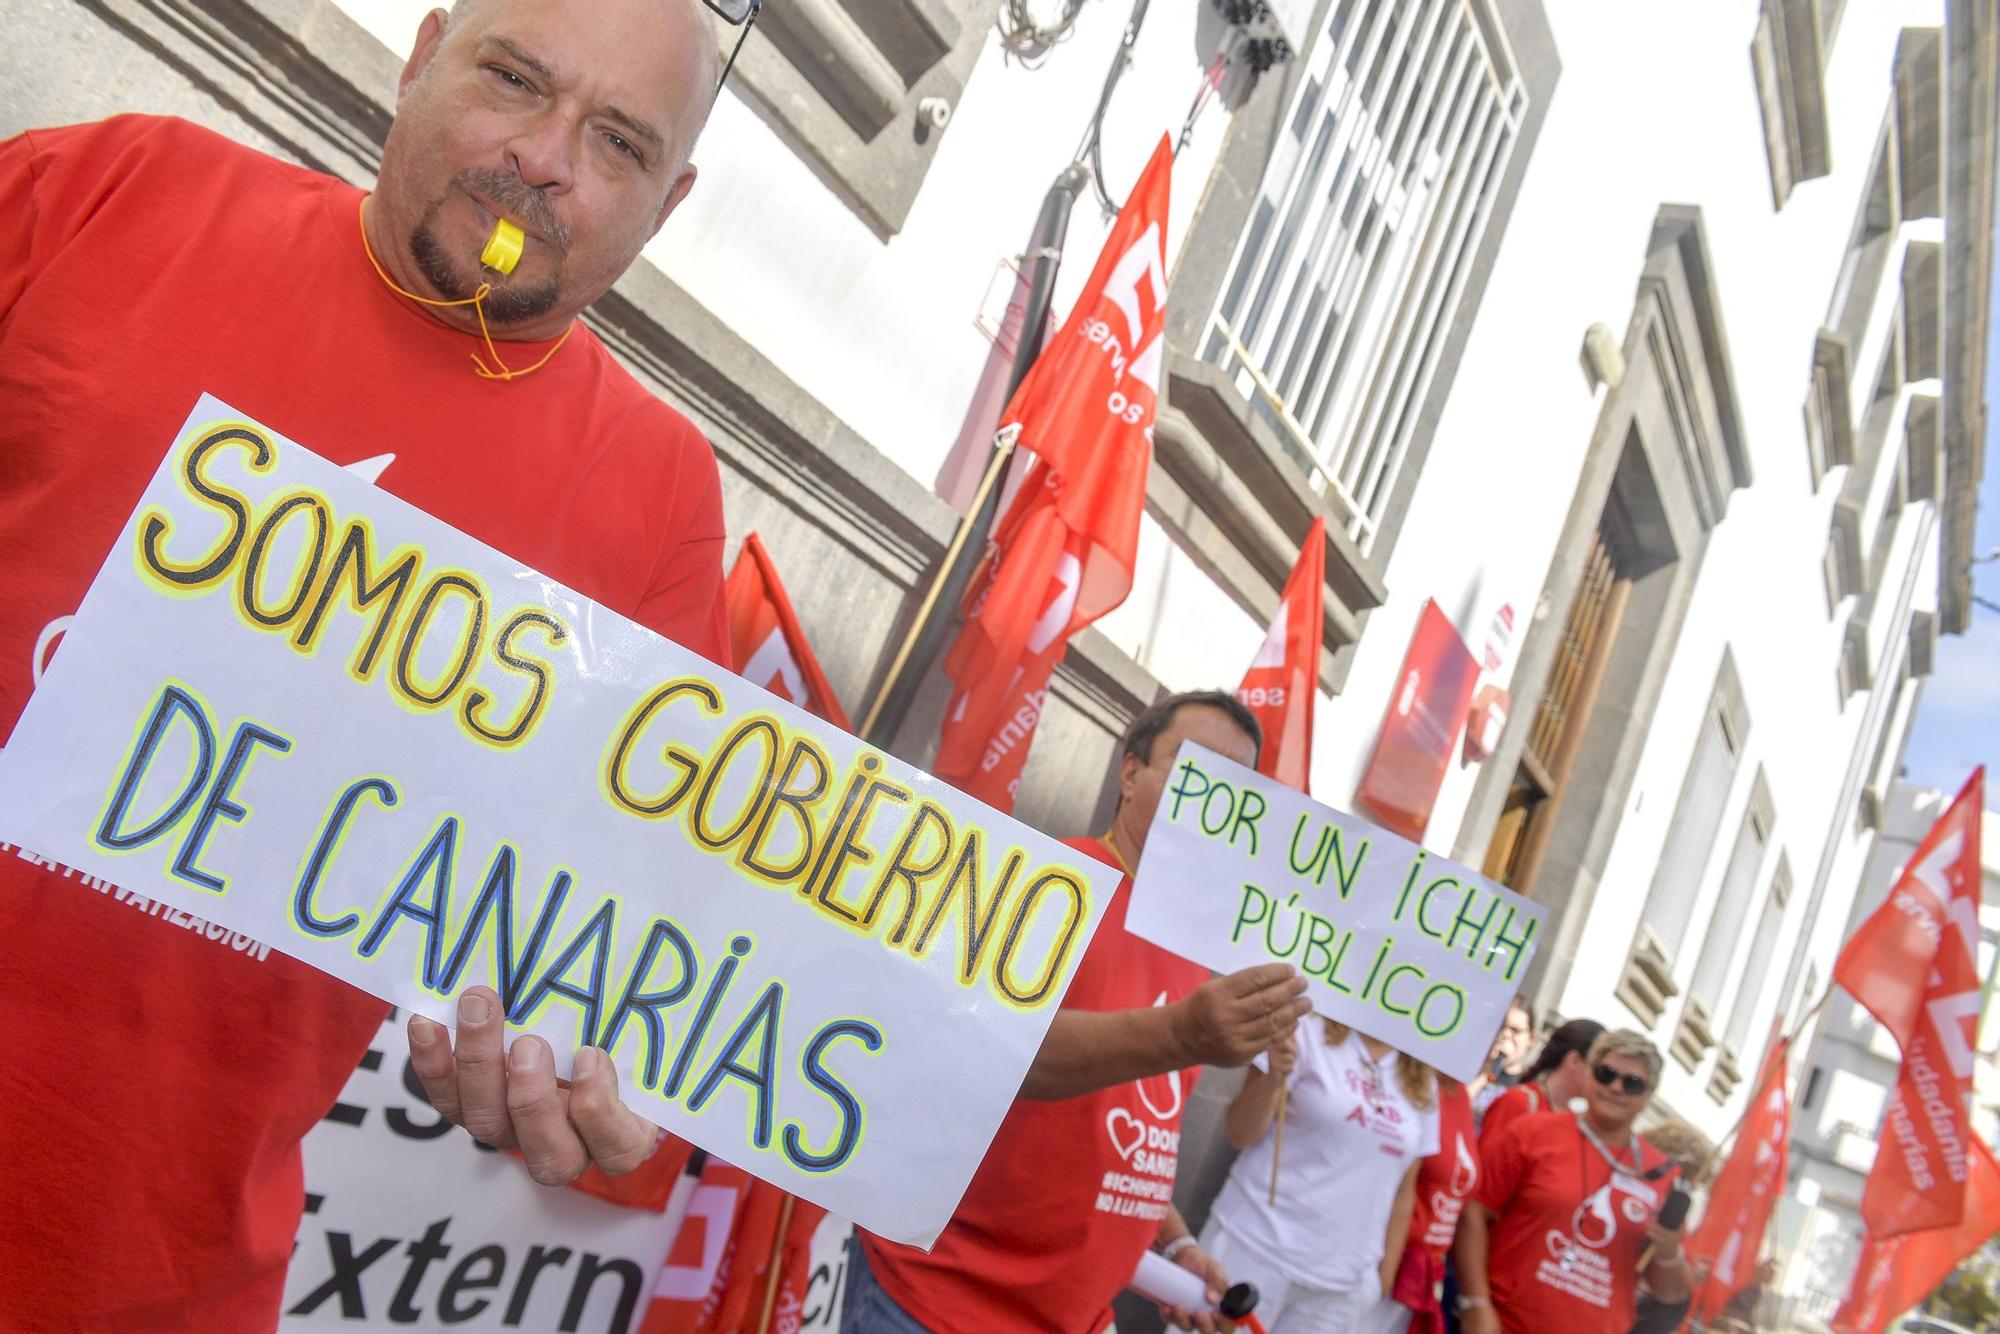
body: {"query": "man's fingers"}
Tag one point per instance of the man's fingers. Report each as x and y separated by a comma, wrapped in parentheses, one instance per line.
(482, 1069)
(1276, 994)
(1250, 981)
(549, 1143)
(617, 1138)
(431, 1058)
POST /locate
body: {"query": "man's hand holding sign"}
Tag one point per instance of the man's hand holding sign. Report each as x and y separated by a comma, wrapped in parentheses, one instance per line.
(293, 704)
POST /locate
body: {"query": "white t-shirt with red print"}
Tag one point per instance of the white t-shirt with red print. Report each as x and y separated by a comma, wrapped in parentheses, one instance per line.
(1351, 1134)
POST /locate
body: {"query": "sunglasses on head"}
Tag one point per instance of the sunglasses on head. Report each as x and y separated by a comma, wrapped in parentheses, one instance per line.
(737, 14)
(1633, 1085)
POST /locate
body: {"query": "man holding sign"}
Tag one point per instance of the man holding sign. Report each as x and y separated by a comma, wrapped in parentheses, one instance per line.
(1079, 1180)
(162, 1071)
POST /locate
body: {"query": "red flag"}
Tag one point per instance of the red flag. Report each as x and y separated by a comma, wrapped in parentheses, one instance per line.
(1913, 966)
(1283, 680)
(648, 1186)
(1746, 1190)
(1895, 1273)
(1063, 552)
(765, 642)
(718, 1269)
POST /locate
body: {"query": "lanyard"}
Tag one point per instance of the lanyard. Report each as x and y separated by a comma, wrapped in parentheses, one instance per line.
(1590, 1137)
(1616, 1164)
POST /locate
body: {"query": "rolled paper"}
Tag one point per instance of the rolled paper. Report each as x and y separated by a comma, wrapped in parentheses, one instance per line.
(503, 248)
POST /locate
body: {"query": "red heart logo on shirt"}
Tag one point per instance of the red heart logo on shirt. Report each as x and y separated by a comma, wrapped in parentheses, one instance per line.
(1127, 1141)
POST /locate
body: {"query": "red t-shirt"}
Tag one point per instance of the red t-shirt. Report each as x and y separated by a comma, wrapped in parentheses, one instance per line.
(1526, 1099)
(160, 1073)
(1563, 1252)
(1071, 1193)
(1447, 1178)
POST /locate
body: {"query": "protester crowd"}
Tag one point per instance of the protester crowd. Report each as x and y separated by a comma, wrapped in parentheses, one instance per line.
(1370, 1193)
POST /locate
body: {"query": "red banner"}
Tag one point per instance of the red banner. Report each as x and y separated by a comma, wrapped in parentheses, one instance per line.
(1746, 1190)
(1432, 697)
(718, 1271)
(1283, 681)
(1063, 552)
(766, 644)
(1895, 1273)
(1913, 965)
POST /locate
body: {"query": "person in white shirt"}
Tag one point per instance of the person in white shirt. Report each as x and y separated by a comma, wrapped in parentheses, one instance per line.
(1358, 1118)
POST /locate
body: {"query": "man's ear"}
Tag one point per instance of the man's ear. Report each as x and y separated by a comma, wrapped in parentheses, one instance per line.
(675, 194)
(1128, 777)
(430, 34)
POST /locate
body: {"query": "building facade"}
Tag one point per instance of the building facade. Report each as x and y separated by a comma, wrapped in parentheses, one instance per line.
(1646, 343)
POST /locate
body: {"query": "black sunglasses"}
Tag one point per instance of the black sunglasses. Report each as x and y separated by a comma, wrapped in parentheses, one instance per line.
(737, 14)
(1632, 1084)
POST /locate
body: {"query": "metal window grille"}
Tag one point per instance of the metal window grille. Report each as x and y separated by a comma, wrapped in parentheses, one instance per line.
(1344, 285)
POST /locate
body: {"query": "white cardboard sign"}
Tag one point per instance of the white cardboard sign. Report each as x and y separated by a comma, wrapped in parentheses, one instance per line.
(295, 706)
(1394, 941)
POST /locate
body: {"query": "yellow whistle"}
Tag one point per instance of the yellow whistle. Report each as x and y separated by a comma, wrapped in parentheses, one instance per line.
(503, 248)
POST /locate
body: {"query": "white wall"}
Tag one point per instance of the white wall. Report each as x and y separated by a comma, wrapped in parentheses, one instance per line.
(1655, 106)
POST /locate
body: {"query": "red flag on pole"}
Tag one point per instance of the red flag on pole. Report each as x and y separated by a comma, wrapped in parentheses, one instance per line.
(648, 1186)
(1913, 965)
(1746, 1190)
(765, 642)
(1283, 680)
(1895, 1273)
(718, 1270)
(1063, 552)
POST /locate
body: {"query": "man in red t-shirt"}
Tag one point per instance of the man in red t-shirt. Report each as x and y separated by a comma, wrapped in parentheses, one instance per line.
(1079, 1180)
(1564, 1225)
(159, 1072)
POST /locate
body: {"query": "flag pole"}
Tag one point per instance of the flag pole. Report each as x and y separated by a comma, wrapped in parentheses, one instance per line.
(1278, 1142)
(777, 1264)
(981, 518)
(954, 571)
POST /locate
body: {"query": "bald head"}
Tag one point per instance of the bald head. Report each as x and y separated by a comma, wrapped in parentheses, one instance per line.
(573, 119)
(690, 17)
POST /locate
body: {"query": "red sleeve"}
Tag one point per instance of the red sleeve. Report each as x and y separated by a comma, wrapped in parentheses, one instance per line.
(684, 599)
(50, 183)
(1511, 1107)
(1503, 1161)
(20, 214)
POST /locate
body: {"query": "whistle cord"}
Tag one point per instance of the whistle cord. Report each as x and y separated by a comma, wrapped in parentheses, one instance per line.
(484, 371)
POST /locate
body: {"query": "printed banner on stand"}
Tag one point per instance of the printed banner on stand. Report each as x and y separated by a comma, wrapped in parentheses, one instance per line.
(411, 1224)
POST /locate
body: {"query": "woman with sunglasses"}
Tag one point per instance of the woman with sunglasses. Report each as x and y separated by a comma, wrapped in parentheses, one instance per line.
(1566, 1209)
(1559, 1076)
(1358, 1118)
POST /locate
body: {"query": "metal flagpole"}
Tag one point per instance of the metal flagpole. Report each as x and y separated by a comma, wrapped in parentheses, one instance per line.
(954, 570)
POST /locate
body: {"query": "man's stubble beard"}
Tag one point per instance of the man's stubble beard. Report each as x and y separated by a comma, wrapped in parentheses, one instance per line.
(504, 305)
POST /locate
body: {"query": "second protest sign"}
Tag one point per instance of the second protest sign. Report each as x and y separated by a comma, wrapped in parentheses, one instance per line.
(1393, 940)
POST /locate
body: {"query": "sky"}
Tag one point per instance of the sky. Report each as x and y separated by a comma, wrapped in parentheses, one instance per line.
(1958, 722)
